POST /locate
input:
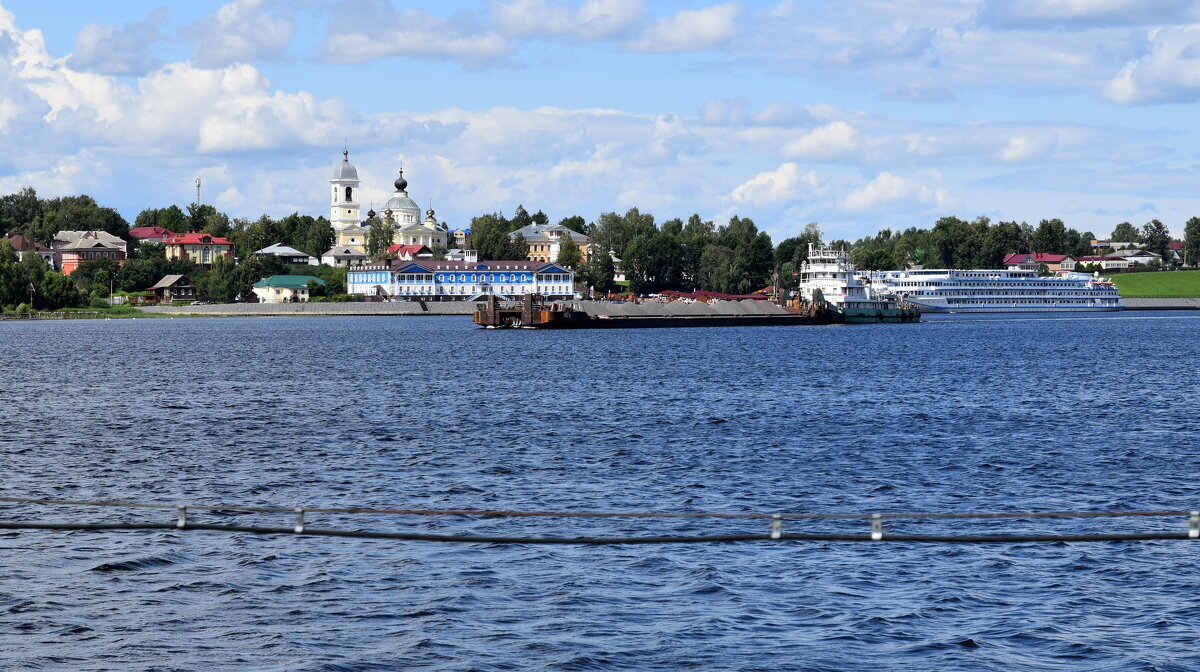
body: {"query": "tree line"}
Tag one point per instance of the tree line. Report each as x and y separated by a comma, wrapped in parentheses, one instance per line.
(735, 257)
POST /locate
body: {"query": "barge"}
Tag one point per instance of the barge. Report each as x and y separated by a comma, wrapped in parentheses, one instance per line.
(532, 312)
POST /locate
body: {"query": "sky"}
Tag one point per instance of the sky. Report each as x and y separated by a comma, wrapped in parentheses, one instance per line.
(859, 115)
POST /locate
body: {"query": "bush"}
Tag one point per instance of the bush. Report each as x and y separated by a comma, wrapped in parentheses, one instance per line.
(24, 308)
(98, 302)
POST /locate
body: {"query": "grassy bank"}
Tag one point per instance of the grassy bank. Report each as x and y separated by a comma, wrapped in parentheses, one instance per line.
(96, 313)
(1161, 285)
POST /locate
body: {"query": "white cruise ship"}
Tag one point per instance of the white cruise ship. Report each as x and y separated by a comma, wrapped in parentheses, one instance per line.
(995, 291)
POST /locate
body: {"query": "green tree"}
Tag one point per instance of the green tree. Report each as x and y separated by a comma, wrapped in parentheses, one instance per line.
(575, 223)
(140, 274)
(56, 291)
(514, 249)
(1156, 238)
(717, 269)
(520, 219)
(151, 251)
(653, 263)
(1124, 233)
(380, 235)
(222, 283)
(568, 252)
(615, 232)
(11, 285)
(951, 236)
(1050, 236)
(96, 274)
(18, 211)
(672, 226)
(206, 218)
(1191, 242)
(602, 272)
(439, 251)
(755, 263)
(1002, 239)
(489, 236)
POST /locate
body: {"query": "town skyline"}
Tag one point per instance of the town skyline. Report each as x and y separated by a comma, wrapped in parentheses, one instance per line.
(858, 115)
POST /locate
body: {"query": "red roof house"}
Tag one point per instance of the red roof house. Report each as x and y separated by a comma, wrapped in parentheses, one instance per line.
(201, 248)
(151, 234)
(1031, 261)
(409, 252)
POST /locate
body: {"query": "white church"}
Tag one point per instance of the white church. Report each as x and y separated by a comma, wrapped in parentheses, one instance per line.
(402, 212)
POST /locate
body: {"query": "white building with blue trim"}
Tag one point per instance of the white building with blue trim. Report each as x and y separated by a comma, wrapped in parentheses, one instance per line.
(460, 280)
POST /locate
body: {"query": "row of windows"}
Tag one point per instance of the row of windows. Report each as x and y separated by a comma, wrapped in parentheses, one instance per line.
(473, 289)
(461, 277)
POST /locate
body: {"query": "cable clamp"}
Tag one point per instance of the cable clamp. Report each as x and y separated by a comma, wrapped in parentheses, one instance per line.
(1194, 525)
(776, 525)
(299, 521)
(182, 521)
(876, 527)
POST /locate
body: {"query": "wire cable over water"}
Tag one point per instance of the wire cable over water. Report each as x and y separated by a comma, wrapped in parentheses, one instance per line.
(775, 533)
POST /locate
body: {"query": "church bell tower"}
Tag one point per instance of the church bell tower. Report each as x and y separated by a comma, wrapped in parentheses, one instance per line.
(343, 207)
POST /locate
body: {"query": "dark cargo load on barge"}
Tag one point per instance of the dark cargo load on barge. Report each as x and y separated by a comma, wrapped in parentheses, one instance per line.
(531, 312)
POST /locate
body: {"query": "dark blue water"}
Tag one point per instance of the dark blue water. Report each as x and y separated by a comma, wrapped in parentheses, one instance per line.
(950, 415)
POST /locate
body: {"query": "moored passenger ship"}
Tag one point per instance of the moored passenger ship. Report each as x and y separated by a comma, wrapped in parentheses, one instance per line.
(998, 291)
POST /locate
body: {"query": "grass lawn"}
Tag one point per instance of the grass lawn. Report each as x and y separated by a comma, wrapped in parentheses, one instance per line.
(1160, 285)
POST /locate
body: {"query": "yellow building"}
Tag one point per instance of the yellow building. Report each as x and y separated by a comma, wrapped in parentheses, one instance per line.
(545, 241)
(201, 248)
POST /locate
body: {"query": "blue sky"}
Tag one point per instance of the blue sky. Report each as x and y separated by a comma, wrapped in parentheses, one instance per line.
(858, 115)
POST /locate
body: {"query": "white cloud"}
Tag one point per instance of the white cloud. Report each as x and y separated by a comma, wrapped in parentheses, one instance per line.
(785, 183)
(1168, 73)
(110, 50)
(1023, 148)
(365, 30)
(830, 141)
(239, 32)
(592, 20)
(895, 193)
(690, 30)
(1052, 13)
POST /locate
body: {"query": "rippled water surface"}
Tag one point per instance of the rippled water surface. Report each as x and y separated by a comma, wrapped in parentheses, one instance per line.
(950, 415)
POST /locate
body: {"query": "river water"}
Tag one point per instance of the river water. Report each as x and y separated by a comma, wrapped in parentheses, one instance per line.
(949, 415)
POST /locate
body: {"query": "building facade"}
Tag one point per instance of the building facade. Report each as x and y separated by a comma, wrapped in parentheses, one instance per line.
(284, 288)
(24, 245)
(200, 248)
(288, 255)
(80, 242)
(545, 241)
(460, 280)
(79, 252)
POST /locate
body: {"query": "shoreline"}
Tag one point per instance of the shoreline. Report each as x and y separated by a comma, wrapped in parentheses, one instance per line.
(401, 309)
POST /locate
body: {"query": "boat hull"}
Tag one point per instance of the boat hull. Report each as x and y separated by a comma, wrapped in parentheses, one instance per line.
(927, 309)
(882, 315)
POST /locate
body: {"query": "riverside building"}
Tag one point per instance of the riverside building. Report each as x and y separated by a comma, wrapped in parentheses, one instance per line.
(460, 280)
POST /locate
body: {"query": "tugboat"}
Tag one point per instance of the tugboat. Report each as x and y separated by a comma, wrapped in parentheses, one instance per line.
(828, 276)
